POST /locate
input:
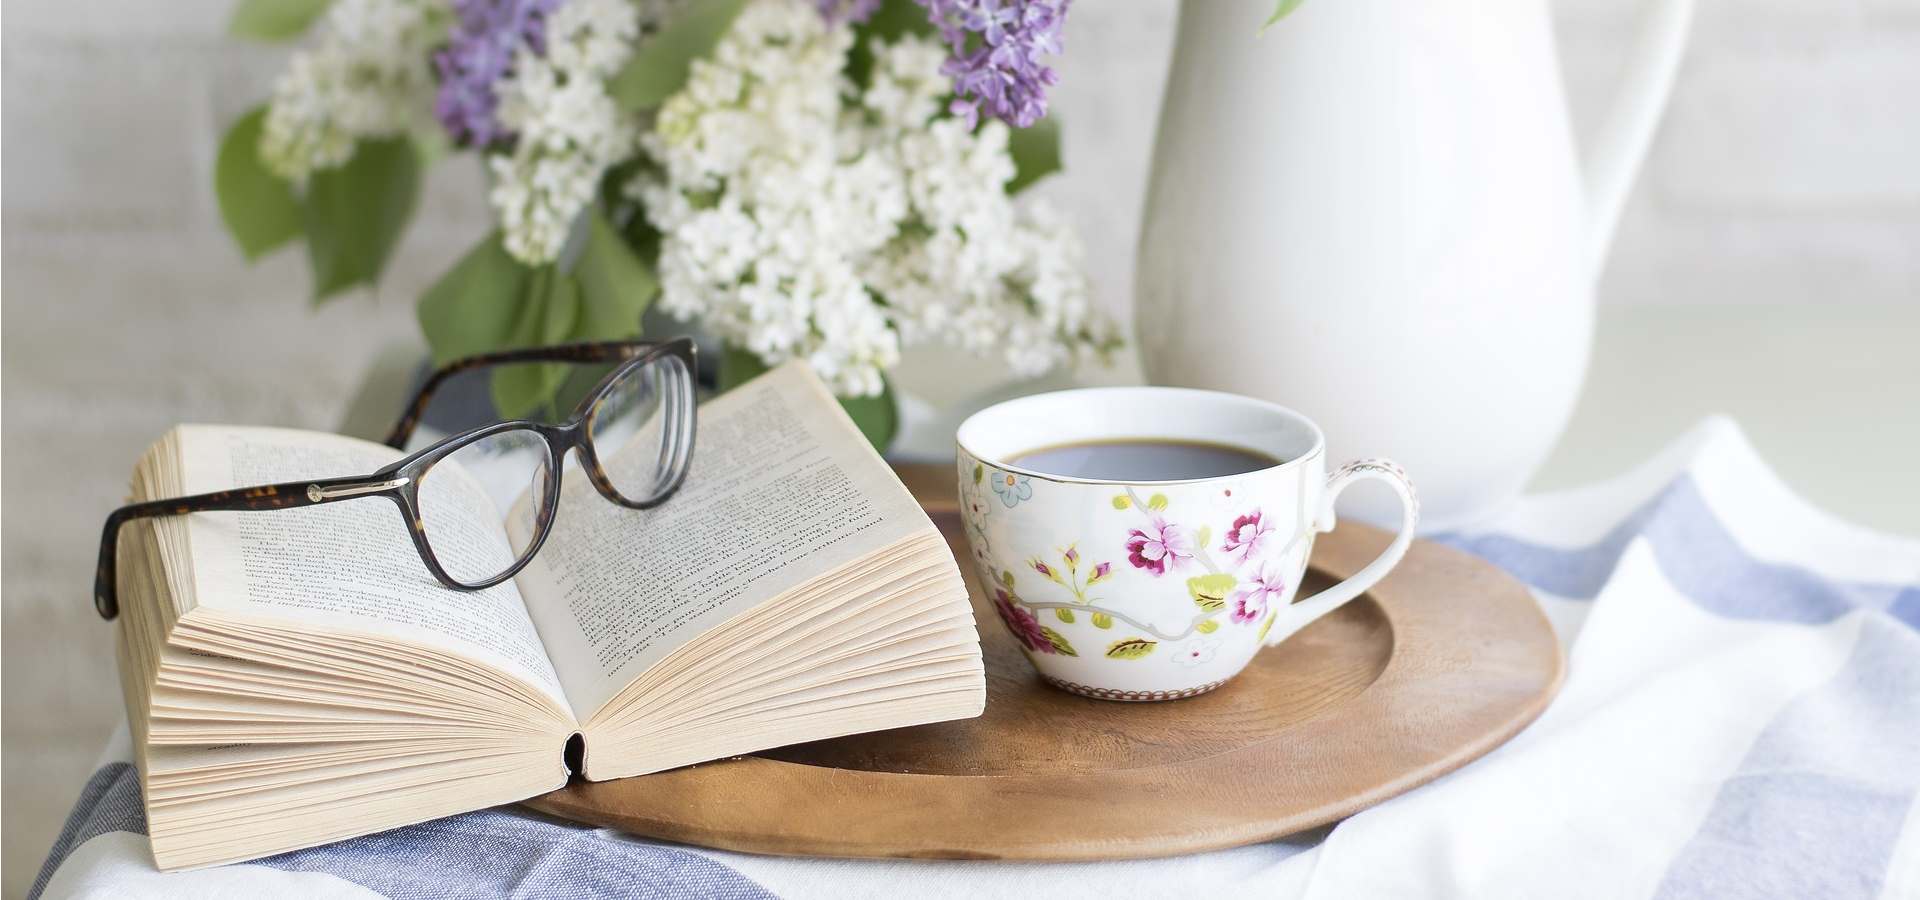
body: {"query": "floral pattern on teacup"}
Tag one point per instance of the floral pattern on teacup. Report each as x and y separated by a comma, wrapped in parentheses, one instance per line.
(1249, 603)
(1012, 488)
(1249, 539)
(1237, 582)
(1033, 636)
(1067, 575)
(1197, 651)
(1160, 547)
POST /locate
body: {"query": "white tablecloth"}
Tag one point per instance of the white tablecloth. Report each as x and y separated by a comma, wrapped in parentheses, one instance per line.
(1740, 718)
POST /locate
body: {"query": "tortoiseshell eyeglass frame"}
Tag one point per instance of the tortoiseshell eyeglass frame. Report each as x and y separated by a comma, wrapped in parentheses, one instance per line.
(400, 481)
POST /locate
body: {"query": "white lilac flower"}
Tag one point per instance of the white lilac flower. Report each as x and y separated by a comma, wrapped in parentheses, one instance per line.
(367, 75)
(569, 130)
(801, 218)
(592, 37)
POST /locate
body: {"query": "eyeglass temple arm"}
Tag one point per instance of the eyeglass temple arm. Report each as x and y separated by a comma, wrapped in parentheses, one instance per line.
(587, 352)
(106, 600)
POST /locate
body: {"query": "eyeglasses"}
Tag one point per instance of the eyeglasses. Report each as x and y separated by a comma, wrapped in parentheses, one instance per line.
(639, 418)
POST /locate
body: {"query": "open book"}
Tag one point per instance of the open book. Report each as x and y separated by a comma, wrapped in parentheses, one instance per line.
(295, 677)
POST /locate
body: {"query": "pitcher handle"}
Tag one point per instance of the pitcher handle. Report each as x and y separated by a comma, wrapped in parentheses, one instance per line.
(1305, 611)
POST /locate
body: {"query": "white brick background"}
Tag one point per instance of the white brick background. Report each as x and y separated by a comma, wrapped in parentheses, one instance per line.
(1787, 172)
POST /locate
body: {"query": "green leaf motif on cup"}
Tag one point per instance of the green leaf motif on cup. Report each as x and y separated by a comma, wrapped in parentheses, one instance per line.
(1265, 625)
(1059, 643)
(1131, 648)
(1157, 502)
(1063, 614)
(979, 472)
(1120, 501)
(1209, 592)
(1207, 627)
(1006, 577)
(1102, 620)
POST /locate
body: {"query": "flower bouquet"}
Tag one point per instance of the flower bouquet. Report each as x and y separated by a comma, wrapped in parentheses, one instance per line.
(830, 181)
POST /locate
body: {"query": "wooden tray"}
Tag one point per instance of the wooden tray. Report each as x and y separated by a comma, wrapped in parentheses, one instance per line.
(1440, 663)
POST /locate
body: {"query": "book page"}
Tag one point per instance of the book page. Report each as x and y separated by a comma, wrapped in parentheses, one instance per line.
(782, 488)
(350, 564)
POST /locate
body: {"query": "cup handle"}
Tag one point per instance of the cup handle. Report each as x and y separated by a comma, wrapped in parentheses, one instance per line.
(1305, 611)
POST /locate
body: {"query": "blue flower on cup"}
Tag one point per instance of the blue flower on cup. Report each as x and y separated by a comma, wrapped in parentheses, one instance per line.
(1012, 488)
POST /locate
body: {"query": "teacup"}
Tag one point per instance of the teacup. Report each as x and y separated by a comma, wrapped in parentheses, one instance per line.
(1155, 590)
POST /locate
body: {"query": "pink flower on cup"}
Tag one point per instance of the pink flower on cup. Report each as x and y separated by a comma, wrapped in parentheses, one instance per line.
(1022, 623)
(1159, 547)
(1100, 573)
(1249, 539)
(1250, 602)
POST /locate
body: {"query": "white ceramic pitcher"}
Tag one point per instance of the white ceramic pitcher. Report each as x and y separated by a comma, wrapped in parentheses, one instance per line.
(1373, 213)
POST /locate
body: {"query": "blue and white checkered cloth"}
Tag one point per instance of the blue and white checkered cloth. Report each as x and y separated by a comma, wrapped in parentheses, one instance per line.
(1740, 718)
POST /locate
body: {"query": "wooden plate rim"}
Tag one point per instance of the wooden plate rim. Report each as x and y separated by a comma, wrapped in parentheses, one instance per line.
(826, 811)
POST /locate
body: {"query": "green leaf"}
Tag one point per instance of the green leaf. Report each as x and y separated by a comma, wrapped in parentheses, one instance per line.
(1102, 620)
(660, 68)
(877, 417)
(1207, 627)
(355, 214)
(615, 285)
(979, 472)
(1157, 502)
(1265, 625)
(258, 207)
(1063, 614)
(1280, 11)
(1120, 501)
(1059, 643)
(549, 316)
(1006, 578)
(737, 367)
(1209, 592)
(1036, 152)
(895, 19)
(1202, 536)
(1131, 648)
(474, 307)
(274, 20)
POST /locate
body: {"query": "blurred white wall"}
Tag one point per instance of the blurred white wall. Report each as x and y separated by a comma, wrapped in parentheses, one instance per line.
(1787, 172)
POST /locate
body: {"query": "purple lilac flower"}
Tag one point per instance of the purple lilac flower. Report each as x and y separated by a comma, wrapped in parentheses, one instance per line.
(1003, 71)
(479, 50)
(853, 11)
